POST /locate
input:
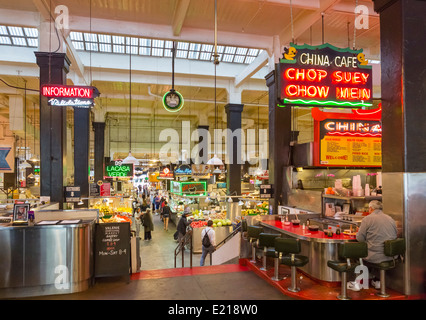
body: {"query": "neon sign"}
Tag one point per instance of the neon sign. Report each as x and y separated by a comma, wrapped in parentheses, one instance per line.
(74, 96)
(118, 169)
(324, 76)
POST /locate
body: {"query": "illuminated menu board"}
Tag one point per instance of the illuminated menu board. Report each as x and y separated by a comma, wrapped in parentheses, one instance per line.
(349, 140)
(324, 76)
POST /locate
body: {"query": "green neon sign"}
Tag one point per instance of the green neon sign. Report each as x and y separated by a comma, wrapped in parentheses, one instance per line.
(123, 170)
(173, 101)
(188, 188)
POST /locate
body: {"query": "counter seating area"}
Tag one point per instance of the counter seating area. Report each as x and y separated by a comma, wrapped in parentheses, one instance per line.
(279, 259)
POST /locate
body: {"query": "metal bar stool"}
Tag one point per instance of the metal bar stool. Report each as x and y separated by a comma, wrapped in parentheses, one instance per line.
(253, 233)
(394, 249)
(267, 244)
(287, 252)
(347, 251)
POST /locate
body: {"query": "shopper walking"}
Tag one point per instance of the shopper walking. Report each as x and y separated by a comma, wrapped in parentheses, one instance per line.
(181, 227)
(147, 224)
(211, 246)
(166, 215)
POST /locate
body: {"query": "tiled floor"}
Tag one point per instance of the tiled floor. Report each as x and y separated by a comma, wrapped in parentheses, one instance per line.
(159, 280)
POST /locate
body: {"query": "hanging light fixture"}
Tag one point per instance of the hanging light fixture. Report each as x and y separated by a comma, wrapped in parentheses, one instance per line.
(25, 164)
(34, 157)
(215, 161)
(130, 159)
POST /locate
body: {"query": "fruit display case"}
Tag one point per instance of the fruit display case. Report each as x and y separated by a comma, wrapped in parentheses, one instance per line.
(112, 209)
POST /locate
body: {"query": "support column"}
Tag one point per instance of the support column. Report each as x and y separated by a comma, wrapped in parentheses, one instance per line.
(53, 70)
(81, 151)
(279, 143)
(234, 149)
(99, 128)
(403, 144)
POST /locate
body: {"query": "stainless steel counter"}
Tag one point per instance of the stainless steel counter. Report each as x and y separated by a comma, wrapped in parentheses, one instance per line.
(44, 260)
(318, 248)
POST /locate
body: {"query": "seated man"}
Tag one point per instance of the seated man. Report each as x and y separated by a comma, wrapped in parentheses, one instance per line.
(375, 229)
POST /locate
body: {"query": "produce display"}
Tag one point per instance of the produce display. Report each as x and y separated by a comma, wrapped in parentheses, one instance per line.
(108, 214)
(115, 218)
(199, 219)
(260, 209)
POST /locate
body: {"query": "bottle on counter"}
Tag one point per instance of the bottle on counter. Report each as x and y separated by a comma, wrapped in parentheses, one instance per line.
(338, 230)
(329, 232)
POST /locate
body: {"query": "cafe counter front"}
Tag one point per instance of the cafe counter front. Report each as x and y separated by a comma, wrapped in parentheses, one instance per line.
(55, 256)
(316, 245)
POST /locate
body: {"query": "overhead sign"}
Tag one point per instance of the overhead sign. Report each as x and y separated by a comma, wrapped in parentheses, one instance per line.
(201, 171)
(72, 194)
(118, 169)
(74, 96)
(266, 191)
(348, 139)
(183, 170)
(325, 76)
(173, 101)
(196, 188)
(165, 173)
(7, 156)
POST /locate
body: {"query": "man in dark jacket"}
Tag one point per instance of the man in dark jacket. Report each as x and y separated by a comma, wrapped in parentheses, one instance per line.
(182, 225)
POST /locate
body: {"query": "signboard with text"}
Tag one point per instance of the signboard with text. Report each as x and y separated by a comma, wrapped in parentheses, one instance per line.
(73, 96)
(118, 169)
(348, 139)
(324, 76)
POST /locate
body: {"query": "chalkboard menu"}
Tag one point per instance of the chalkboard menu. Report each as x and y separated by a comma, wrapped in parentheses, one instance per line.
(112, 249)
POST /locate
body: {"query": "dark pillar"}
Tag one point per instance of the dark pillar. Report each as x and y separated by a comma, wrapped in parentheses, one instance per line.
(99, 128)
(279, 143)
(202, 154)
(234, 141)
(81, 151)
(402, 26)
(53, 70)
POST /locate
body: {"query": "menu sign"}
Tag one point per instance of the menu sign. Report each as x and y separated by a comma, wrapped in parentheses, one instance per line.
(350, 140)
(112, 249)
(325, 76)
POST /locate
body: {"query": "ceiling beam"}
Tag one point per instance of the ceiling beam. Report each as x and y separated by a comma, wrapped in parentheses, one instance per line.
(257, 64)
(179, 17)
(46, 13)
(304, 21)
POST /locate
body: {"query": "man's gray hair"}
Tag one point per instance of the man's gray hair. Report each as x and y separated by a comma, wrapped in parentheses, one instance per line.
(376, 205)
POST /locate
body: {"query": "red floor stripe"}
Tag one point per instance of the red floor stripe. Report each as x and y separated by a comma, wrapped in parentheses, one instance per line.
(312, 290)
(182, 272)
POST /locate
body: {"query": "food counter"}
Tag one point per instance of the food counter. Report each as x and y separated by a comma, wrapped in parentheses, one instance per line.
(316, 245)
(55, 256)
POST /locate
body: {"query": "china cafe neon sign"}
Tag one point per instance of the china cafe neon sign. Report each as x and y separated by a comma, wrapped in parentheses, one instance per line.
(74, 96)
(325, 76)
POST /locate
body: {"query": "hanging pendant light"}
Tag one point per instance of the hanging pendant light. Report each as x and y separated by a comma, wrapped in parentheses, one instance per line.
(215, 160)
(130, 159)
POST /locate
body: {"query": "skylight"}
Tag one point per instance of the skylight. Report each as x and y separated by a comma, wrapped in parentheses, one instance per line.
(119, 44)
(19, 36)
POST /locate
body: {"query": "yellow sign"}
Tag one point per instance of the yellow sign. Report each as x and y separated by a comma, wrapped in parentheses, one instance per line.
(351, 151)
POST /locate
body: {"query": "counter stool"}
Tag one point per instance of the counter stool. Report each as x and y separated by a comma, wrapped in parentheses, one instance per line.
(348, 251)
(253, 236)
(287, 252)
(395, 249)
(267, 243)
